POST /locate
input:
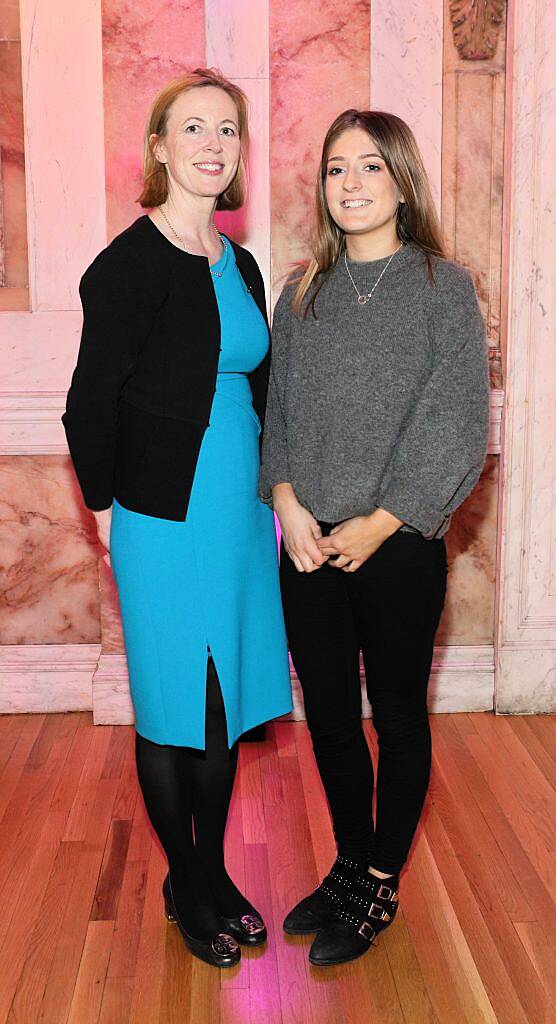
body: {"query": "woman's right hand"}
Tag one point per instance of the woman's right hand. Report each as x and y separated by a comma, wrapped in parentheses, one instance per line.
(103, 521)
(300, 529)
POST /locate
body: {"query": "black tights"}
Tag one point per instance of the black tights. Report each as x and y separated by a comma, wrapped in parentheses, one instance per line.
(185, 788)
(389, 608)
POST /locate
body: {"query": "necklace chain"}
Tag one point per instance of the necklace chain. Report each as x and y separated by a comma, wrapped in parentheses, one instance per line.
(365, 297)
(215, 273)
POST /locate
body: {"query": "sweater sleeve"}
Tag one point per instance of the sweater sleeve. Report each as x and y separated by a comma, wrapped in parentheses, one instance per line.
(274, 459)
(117, 317)
(439, 456)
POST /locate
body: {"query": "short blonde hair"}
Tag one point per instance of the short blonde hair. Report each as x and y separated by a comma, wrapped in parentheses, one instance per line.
(155, 176)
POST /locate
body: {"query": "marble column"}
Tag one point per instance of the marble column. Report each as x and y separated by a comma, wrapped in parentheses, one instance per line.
(406, 73)
(526, 641)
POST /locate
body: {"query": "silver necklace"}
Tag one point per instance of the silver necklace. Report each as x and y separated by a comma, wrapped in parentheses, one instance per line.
(215, 273)
(363, 298)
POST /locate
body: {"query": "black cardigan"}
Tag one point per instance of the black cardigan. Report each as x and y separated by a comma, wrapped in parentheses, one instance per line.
(142, 390)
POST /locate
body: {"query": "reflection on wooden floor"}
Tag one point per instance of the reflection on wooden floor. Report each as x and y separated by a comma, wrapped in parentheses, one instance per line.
(83, 938)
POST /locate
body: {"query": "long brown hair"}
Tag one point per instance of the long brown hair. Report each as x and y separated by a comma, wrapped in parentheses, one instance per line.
(416, 219)
(155, 177)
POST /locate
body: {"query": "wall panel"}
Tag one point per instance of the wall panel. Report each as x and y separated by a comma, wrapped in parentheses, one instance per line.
(14, 290)
(144, 47)
(319, 66)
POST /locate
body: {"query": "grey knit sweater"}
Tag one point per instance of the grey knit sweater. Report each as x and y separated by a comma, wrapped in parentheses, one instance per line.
(383, 405)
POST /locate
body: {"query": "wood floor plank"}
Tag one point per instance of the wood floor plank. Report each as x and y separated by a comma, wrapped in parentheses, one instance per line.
(294, 875)
(117, 751)
(105, 903)
(469, 986)
(320, 824)
(521, 727)
(543, 957)
(44, 938)
(128, 790)
(456, 801)
(87, 996)
(129, 918)
(60, 983)
(82, 933)
(407, 974)
(251, 793)
(235, 863)
(497, 975)
(66, 789)
(262, 963)
(9, 737)
(487, 883)
(14, 766)
(149, 975)
(116, 1001)
(509, 844)
(526, 814)
(544, 727)
(439, 969)
(23, 824)
(368, 990)
(88, 785)
(536, 790)
(175, 999)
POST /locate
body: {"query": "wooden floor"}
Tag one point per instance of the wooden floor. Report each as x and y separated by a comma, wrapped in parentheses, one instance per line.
(83, 938)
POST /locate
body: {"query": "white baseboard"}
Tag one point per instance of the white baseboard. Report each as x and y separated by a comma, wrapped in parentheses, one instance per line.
(462, 679)
(47, 677)
(77, 677)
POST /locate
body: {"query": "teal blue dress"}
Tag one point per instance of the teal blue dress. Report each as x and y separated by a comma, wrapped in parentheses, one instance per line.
(209, 583)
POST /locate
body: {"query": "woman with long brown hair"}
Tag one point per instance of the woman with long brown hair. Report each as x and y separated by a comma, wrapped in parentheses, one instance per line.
(163, 420)
(376, 431)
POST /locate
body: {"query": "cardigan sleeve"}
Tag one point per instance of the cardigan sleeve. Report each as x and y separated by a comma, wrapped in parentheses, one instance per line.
(441, 451)
(274, 460)
(118, 314)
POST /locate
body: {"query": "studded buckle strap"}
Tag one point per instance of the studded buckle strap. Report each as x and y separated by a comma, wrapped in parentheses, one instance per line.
(377, 912)
(384, 892)
(367, 931)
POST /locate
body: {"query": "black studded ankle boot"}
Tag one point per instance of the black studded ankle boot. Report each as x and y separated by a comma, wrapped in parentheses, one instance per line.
(321, 906)
(371, 906)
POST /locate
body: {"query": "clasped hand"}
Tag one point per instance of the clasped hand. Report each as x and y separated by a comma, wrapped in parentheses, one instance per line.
(352, 542)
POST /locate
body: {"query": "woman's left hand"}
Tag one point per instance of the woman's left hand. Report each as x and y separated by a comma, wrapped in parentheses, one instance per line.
(355, 540)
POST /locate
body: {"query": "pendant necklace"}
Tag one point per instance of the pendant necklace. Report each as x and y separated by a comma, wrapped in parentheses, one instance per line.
(363, 298)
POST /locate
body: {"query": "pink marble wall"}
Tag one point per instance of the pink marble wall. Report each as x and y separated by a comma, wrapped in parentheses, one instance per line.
(14, 292)
(49, 592)
(318, 59)
(473, 175)
(319, 66)
(468, 616)
(144, 47)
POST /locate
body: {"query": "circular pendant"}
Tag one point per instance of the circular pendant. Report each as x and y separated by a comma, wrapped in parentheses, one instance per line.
(362, 300)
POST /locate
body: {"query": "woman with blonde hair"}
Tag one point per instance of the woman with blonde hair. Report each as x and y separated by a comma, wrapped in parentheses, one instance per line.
(376, 431)
(163, 419)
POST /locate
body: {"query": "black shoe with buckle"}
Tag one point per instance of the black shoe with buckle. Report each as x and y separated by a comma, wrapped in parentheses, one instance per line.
(321, 906)
(371, 907)
(249, 929)
(221, 950)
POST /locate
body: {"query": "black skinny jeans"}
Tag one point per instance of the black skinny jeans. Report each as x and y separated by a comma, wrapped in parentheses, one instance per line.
(389, 609)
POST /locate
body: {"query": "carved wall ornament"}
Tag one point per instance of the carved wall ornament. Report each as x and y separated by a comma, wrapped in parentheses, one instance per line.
(476, 27)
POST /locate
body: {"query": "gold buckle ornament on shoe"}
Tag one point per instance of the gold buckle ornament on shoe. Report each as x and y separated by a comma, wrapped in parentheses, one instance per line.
(378, 912)
(224, 945)
(252, 924)
(367, 931)
(385, 893)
